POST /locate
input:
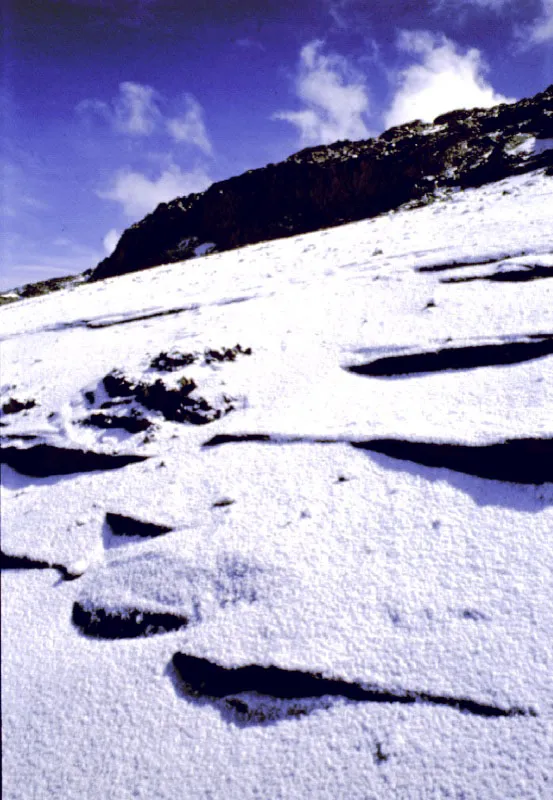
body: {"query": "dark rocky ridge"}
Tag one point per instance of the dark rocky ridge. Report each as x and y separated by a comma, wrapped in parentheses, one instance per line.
(43, 287)
(324, 186)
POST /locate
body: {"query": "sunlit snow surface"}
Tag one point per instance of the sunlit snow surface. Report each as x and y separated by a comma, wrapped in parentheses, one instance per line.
(320, 533)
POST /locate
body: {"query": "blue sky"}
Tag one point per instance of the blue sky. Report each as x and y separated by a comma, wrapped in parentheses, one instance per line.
(111, 106)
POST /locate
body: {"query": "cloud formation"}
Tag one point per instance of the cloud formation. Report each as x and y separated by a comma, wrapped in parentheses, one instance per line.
(139, 110)
(338, 12)
(249, 44)
(494, 5)
(541, 30)
(138, 194)
(134, 111)
(442, 79)
(334, 95)
(189, 126)
(110, 241)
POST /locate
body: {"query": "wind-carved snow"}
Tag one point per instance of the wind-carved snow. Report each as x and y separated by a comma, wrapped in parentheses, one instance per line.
(255, 694)
(150, 593)
(470, 355)
(335, 589)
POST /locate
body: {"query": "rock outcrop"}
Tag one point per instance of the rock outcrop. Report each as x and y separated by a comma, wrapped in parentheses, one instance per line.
(324, 186)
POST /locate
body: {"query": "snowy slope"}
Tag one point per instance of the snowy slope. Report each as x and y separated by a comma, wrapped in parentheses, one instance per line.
(321, 570)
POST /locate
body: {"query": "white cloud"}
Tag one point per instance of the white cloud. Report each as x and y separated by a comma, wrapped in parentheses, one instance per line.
(334, 95)
(110, 241)
(139, 195)
(189, 126)
(249, 44)
(442, 79)
(537, 32)
(494, 5)
(338, 11)
(541, 30)
(135, 111)
(140, 110)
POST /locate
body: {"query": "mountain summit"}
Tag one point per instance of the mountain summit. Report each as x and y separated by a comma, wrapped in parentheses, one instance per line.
(320, 187)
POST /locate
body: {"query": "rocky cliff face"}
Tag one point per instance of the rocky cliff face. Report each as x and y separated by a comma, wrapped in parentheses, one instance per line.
(328, 185)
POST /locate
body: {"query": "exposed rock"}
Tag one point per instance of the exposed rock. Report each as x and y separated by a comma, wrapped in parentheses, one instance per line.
(228, 354)
(132, 423)
(14, 406)
(328, 185)
(168, 362)
(51, 285)
(174, 359)
(175, 404)
(43, 287)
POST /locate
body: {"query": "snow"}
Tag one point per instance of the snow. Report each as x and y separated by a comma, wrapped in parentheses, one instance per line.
(530, 146)
(542, 145)
(422, 594)
(203, 249)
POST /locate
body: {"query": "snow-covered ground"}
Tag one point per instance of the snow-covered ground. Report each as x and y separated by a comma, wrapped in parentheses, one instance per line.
(339, 584)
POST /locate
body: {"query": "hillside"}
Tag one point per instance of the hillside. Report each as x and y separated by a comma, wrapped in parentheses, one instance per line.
(283, 529)
(325, 186)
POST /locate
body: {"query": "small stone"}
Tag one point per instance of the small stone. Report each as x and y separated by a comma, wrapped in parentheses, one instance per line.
(224, 501)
